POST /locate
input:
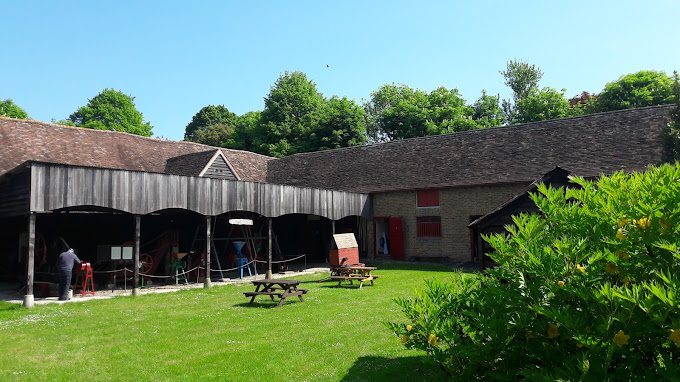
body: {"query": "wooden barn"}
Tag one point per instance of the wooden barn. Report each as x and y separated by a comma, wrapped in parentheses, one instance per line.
(495, 221)
(409, 199)
(71, 187)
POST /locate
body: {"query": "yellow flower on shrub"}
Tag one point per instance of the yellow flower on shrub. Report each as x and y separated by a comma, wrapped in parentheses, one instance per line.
(432, 339)
(409, 327)
(621, 234)
(553, 331)
(404, 339)
(675, 336)
(622, 255)
(611, 268)
(560, 283)
(623, 222)
(643, 223)
(621, 338)
(580, 268)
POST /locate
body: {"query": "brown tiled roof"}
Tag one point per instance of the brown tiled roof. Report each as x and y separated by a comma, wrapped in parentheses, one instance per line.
(189, 164)
(589, 145)
(22, 140)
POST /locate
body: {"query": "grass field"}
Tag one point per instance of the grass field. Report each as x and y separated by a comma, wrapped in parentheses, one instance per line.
(336, 334)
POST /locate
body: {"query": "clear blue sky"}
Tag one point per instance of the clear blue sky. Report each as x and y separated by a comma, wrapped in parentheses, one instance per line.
(176, 57)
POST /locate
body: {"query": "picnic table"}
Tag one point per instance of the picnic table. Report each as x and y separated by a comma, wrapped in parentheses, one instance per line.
(275, 287)
(353, 273)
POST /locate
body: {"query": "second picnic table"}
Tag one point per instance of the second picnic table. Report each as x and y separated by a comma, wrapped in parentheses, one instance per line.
(276, 287)
(353, 273)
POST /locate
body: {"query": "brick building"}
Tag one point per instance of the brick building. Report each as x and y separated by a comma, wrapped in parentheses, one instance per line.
(425, 191)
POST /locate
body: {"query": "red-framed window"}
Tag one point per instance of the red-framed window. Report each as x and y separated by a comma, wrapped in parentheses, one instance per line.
(428, 198)
(429, 226)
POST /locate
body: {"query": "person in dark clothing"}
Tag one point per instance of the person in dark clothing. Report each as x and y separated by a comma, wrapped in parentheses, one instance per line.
(65, 264)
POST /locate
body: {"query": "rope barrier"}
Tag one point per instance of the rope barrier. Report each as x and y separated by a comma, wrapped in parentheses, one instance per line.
(282, 261)
(126, 270)
(230, 269)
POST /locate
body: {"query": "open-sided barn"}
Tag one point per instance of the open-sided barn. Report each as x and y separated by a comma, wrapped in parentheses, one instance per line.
(405, 199)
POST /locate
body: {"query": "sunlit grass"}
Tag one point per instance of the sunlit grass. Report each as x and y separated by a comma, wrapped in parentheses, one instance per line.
(336, 334)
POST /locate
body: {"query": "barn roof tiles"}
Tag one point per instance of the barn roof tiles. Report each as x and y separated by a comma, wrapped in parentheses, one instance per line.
(22, 140)
(590, 145)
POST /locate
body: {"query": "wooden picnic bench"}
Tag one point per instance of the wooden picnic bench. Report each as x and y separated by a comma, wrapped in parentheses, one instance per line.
(353, 273)
(275, 287)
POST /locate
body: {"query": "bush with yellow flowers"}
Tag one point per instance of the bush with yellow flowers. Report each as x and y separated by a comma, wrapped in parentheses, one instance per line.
(587, 289)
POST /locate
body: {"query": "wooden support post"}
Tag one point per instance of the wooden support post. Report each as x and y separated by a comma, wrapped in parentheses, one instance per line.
(135, 256)
(269, 248)
(29, 301)
(208, 239)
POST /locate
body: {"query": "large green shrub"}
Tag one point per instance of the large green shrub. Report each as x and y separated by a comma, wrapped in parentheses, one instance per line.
(585, 290)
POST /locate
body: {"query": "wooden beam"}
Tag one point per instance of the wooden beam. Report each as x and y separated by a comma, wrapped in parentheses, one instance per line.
(28, 298)
(135, 255)
(206, 280)
(269, 248)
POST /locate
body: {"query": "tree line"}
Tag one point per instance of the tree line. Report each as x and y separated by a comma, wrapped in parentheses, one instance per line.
(297, 118)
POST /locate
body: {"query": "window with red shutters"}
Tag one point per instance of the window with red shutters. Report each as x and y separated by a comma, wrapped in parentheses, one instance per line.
(428, 198)
(429, 226)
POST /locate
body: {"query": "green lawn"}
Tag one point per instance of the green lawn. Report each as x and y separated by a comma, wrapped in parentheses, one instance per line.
(336, 334)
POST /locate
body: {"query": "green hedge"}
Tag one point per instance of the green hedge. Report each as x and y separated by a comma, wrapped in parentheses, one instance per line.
(585, 290)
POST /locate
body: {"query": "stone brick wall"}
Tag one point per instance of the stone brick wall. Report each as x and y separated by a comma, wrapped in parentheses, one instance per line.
(456, 205)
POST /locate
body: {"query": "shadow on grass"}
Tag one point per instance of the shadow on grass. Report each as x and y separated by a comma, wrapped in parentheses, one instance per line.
(426, 267)
(415, 368)
(343, 286)
(267, 303)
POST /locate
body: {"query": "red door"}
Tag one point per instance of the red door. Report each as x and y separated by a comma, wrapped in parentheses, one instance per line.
(396, 238)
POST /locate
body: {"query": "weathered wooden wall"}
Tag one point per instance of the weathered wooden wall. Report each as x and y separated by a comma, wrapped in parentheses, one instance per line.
(59, 186)
(14, 194)
(219, 170)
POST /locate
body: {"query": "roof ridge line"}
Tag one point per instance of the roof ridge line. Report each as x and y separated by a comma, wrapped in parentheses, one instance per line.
(492, 128)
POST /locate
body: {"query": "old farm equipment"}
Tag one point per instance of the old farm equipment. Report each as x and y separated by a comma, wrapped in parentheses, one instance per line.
(117, 259)
(84, 279)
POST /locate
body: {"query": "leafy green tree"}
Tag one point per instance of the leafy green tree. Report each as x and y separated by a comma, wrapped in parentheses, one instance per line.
(412, 113)
(208, 116)
(244, 133)
(112, 110)
(522, 78)
(290, 115)
(487, 110)
(643, 88)
(341, 125)
(213, 135)
(63, 122)
(11, 110)
(387, 96)
(542, 105)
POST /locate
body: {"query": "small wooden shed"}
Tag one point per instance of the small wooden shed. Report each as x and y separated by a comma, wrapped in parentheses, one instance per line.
(345, 251)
